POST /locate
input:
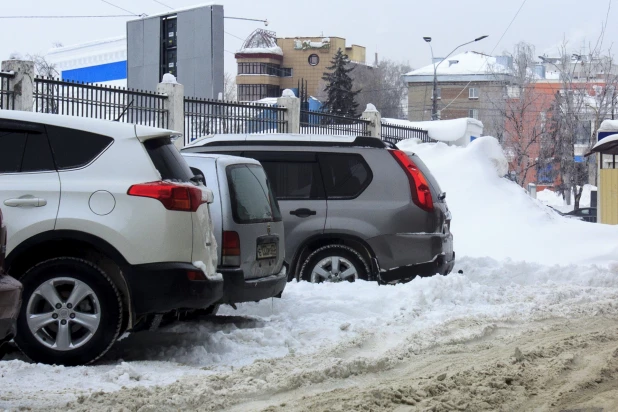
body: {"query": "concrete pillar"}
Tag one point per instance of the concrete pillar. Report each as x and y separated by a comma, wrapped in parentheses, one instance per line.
(22, 85)
(292, 112)
(175, 105)
(375, 127)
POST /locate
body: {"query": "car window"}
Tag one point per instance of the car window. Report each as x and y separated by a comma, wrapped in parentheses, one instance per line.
(12, 146)
(584, 211)
(345, 175)
(37, 156)
(75, 148)
(295, 180)
(167, 160)
(251, 196)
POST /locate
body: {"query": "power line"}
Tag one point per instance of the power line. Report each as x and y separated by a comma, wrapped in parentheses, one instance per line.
(163, 4)
(69, 17)
(118, 7)
(233, 35)
(492, 51)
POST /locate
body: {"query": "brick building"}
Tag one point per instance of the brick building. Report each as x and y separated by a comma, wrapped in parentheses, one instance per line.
(264, 69)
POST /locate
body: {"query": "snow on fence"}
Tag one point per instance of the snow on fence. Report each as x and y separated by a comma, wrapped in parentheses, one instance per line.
(394, 134)
(6, 93)
(312, 122)
(100, 102)
(206, 116)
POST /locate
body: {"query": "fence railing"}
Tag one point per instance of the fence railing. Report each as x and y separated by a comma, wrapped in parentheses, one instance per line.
(312, 122)
(206, 116)
(395, 133)
(7, 98)
(100, 102)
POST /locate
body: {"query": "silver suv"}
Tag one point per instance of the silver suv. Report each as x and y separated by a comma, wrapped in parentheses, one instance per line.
(353, 207)
(247, 225)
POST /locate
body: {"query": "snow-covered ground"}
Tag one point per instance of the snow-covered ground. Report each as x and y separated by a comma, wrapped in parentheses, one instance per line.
(521, 262)
(557, 201)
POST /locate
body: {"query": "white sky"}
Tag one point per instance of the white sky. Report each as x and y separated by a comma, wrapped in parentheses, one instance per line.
(393, 28)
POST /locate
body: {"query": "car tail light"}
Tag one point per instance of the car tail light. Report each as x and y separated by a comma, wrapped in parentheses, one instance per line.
(174, 196)
(421, 194)
(230, 252)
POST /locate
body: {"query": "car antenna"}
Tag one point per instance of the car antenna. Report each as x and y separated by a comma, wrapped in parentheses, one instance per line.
(124, 111)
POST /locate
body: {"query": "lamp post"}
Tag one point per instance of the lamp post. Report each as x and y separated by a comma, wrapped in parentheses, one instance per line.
(434, 106)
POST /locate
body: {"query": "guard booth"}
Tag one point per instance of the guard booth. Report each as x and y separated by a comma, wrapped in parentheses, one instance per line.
(607, 163)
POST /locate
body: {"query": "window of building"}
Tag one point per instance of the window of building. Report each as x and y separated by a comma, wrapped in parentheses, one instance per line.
(314, 59)
(269, 69)
(286, 72)
(252, 92)
(473, 93)
(473, 113)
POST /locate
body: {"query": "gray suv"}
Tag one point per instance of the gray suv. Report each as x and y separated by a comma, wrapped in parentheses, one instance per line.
(353, 207)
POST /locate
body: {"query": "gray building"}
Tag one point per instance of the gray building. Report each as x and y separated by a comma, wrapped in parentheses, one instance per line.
(187, 43)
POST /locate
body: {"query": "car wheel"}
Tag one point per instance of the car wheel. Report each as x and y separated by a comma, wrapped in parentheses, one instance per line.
(334, 263)
(71, 312)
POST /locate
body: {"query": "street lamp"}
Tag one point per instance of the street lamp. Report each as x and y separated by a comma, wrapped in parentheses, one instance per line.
(434, 107)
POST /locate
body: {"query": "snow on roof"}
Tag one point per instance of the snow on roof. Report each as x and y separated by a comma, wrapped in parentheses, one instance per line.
(469, 62)
(262, 50)
(441, 130)
(103, 42)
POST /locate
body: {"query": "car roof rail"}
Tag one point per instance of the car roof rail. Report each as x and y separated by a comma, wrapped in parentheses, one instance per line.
(359, 141)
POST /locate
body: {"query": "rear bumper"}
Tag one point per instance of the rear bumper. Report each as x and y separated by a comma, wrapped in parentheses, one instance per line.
(237, 289)
(163, 287)
(440, 265)
(403, 256)
(10, 302)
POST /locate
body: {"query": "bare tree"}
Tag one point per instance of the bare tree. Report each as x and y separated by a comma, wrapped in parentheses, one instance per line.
(229, 88)
(518, 118)
(383, 86)
(587, 97)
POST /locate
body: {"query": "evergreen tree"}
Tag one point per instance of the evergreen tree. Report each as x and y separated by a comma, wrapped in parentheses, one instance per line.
(341, 98)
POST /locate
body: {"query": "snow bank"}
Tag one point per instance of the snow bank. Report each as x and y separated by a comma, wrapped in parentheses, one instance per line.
(557, 201)
(494, 217)
(448, 131)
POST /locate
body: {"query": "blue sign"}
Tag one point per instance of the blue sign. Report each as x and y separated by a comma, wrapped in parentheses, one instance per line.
(97, 74)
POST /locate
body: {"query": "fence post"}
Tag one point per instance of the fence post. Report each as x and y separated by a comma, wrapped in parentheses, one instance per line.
(291, 104)
(22, 85)
(375, 127)
(175, 105)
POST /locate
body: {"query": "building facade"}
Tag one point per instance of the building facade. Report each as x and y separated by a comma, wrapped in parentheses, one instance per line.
(268, 66)
(469, 84)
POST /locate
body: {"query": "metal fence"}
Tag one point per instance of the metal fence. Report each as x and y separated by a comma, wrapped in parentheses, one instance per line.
(100, 102)
(394, 133)
(206, 116)
(312, 122)
(7, 98)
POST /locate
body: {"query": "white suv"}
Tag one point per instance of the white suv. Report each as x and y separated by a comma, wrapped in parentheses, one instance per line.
(106, 226)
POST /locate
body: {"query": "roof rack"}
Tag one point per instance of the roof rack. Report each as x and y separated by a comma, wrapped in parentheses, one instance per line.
(360, 141)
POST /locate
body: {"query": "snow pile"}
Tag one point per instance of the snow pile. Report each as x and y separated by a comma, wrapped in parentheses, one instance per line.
(169, 78)
(557, 201)
(494, 217)
(262, 50)
(443, 130)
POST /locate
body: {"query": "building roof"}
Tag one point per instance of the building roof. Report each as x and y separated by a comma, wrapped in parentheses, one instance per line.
(464, 63)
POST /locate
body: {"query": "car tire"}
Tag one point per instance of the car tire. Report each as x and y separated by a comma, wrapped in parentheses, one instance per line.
(330, 262)
(71, 312)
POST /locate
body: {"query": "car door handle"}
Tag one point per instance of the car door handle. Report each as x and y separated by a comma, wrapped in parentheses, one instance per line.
(26, 202)
(303, 212)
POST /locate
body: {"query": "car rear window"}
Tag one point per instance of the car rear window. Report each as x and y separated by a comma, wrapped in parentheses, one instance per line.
(251, 195)
(167, 160)
(75, 148)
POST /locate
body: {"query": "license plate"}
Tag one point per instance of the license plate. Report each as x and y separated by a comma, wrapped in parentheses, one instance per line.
(266, 250)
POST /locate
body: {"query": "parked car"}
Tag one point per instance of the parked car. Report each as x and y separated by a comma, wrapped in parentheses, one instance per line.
(353, 207)
(587, 214)
(106, 227)
(248, 227)
(10, 296)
